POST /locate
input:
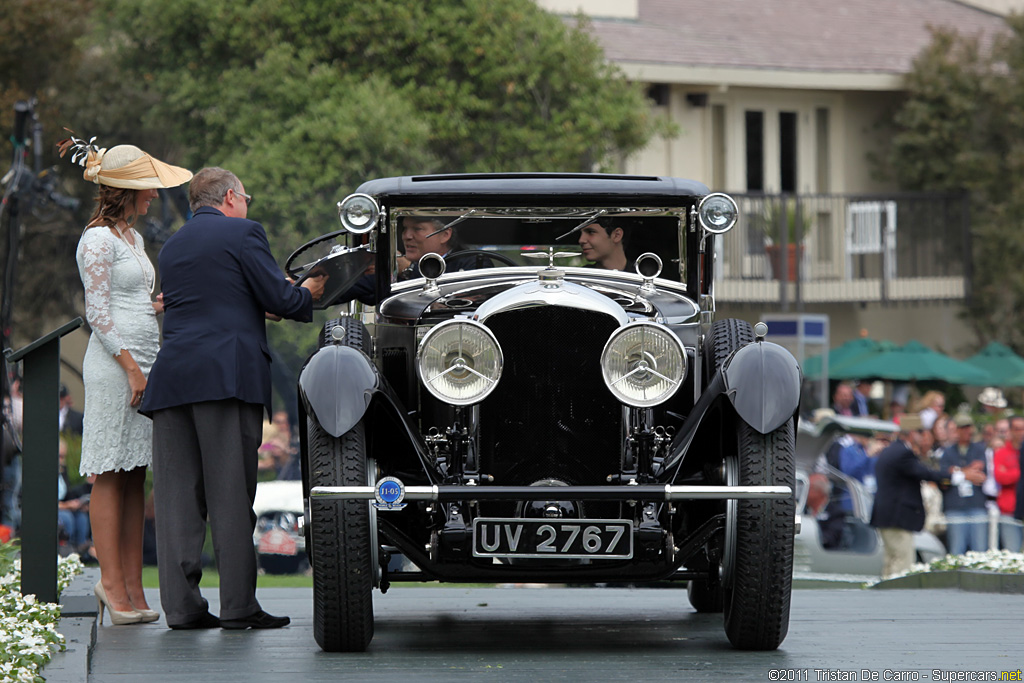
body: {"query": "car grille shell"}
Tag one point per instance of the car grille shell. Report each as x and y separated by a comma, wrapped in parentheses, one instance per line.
(551, 416)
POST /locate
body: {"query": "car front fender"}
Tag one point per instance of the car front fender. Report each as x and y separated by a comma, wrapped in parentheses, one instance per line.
(762, 380)
(337, 384)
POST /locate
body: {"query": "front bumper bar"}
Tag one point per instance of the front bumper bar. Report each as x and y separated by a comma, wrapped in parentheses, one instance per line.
(651, 492)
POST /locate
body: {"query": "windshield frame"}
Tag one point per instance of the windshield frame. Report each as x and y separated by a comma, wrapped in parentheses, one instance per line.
(566, 221)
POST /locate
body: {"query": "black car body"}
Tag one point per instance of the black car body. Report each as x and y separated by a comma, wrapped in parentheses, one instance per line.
(539, 420)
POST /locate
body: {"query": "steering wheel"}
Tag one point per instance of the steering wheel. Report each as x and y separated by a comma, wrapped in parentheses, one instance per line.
(493, 255)
(307, 254)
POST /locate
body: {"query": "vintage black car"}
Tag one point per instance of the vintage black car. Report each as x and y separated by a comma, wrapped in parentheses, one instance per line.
(513, 414)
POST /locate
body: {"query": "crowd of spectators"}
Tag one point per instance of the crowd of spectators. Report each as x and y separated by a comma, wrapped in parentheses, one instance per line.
(279, 452)
(278, 459)
(976, 455)
(74, 532)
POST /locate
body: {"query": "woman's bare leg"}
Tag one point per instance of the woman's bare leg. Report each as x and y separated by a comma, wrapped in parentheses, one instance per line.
(132, 521)
(105, 514)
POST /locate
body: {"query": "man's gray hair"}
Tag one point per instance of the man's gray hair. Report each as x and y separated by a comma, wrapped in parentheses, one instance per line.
(433, 220)
(210, 185)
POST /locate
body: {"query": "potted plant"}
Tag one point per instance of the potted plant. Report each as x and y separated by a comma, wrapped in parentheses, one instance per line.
(785, 213)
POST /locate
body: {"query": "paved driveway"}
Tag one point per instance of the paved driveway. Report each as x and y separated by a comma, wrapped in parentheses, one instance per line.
(560, 634)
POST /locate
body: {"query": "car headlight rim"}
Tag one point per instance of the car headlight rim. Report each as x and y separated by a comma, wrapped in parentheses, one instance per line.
(716, 201)
(643, 364)
(459, 362)
(358, 213)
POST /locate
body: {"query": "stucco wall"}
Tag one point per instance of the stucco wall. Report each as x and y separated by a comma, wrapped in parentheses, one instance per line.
(998, 6)
(853, 134)
(623, 9)
(862, 134)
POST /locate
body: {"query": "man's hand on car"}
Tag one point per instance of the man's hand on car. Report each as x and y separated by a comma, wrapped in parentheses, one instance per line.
(315, 285)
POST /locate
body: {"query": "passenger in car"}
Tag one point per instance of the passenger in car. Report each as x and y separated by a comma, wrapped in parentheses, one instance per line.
(604, 243)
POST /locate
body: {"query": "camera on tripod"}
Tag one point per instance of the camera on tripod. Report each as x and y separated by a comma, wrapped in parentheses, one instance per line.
(40, 186)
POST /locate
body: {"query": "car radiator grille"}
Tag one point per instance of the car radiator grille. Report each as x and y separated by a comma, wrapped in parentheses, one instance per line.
(551, 416)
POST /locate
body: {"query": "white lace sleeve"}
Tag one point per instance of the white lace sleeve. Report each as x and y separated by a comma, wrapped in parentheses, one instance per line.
(95, 260)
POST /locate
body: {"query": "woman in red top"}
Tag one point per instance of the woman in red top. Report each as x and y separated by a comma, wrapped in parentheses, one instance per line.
(1006, 470)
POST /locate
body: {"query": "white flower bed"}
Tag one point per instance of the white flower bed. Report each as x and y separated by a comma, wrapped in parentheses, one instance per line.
(1001, 561)
(28, 628)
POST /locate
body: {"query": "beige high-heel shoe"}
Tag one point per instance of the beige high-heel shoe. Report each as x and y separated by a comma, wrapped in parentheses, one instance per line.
(116, 618)
(147, 615)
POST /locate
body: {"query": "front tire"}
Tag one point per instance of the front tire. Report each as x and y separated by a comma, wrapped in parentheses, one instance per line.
(351, 332)
(759, 555)
(341, 550)
(724, 338)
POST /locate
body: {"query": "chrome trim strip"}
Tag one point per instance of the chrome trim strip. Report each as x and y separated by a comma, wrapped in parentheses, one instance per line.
(529, 274)
(644, 491)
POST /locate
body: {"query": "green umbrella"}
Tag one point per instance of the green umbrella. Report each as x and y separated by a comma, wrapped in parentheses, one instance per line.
(914, 361)
(1005, 368)
(853, 350)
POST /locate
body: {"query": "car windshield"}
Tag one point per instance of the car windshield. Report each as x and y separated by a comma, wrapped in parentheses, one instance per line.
(590, 235)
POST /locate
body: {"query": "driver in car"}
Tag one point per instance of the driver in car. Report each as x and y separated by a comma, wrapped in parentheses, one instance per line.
(423, 235)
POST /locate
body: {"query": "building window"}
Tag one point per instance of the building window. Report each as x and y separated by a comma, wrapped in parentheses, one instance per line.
(755, 150)
(787, 152)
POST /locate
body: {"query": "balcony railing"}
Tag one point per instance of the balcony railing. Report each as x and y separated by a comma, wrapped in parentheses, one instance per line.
(797, 249)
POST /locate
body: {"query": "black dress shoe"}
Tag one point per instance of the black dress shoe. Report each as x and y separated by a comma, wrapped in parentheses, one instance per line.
(259, 620)
(205, 621)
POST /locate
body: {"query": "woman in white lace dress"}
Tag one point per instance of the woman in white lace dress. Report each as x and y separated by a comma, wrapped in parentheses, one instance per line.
(119, 282)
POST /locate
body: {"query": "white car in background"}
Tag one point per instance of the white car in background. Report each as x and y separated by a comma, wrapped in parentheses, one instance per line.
(851, 547)
(278, 537)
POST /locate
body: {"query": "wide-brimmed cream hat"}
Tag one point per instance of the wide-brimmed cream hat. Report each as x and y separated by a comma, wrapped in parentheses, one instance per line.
(992, 397)
(123, 166)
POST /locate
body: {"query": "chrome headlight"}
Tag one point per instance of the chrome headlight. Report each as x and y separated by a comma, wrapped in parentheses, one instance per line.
(358, 213)
(717, 213)
(643, 364)
(459, 362)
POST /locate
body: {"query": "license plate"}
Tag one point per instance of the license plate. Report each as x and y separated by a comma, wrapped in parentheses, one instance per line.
(585, 538)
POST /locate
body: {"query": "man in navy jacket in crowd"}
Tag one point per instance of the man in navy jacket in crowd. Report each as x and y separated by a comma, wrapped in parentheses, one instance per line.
(898, 510)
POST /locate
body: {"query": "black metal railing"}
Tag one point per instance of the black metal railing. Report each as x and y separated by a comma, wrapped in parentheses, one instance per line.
(830, 247)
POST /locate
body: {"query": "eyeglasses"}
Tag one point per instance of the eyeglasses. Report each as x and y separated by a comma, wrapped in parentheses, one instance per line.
(246, 197)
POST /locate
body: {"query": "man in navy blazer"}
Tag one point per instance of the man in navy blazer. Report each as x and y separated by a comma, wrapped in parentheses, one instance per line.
(207, 393)
(898, 510)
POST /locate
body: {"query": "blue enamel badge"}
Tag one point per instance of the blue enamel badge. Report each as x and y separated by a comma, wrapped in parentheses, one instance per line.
(389, 494)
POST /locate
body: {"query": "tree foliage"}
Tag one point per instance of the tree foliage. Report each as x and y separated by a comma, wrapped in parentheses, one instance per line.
(39, 55)
(306, 99)
(961, 128)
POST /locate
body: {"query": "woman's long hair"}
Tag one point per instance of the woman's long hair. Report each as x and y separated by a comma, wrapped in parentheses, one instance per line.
(114, 204)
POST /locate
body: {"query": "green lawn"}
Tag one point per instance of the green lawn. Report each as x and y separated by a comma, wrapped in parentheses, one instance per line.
(211, 579)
